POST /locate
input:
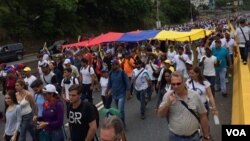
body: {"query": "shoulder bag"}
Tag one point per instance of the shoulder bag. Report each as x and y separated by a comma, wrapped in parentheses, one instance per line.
(247, 44)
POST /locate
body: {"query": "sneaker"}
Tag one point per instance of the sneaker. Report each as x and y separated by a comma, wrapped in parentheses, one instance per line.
(244, 62)
(226, 80)
(142, 116)
(224, 94)
(217, 90)
(229, 75)
(66, 124)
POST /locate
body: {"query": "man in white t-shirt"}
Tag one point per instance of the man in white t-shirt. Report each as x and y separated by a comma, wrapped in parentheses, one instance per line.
(29, 78)
(209, 62)
(87, 76)
(243, 28)
(180, 62)
(67, 81)
(141, 81)
(230, 45)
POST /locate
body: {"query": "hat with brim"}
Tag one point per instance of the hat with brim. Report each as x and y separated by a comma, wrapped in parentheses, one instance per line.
(67, 61)
(50, 89)
(27, 69)
(167, 62)
(189, 62)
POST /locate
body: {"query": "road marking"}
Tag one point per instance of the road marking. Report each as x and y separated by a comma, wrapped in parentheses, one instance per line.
(99, 108)
(98, 104)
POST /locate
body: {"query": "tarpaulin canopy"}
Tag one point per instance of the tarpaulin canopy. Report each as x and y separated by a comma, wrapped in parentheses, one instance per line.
(108, 37)
(193, 35)
(135, 37)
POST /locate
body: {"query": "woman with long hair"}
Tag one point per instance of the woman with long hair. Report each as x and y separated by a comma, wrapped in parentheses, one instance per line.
(198, 83)
(28, 109)
(165, 86)
(53, 114)
(13, 117)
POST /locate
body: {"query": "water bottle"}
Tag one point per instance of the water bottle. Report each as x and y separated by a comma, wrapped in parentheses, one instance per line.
(216, 120)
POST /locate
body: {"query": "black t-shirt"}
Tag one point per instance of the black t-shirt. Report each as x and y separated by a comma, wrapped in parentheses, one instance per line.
(79, 120)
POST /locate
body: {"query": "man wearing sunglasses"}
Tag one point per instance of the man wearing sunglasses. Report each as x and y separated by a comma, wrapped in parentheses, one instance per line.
(185, 112)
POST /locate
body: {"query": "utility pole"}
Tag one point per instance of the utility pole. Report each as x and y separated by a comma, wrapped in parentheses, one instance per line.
(158, 22)
(191, 12)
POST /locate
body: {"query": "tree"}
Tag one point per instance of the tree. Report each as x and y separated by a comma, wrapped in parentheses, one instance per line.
(177, 11)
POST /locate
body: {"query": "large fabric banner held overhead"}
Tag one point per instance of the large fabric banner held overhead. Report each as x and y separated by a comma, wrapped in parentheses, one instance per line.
(193, 35)
(104, 38)
(140, 36)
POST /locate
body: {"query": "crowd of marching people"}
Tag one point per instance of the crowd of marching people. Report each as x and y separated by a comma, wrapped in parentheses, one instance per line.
(184, 76)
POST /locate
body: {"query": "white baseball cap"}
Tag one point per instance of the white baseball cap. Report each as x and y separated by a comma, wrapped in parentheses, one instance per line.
(50, 89)
(67, 61)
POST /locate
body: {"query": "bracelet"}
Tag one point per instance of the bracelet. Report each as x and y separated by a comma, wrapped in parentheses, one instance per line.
(206, 138)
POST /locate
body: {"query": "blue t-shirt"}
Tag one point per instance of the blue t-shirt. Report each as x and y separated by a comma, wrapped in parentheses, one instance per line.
(221, 54)
(39, 99)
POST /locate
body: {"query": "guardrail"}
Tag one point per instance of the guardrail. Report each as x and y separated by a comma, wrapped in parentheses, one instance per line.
(241, 91)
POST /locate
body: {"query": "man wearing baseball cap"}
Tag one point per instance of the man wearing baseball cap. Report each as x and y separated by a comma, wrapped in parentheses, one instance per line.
(29, 79)
(118, 87)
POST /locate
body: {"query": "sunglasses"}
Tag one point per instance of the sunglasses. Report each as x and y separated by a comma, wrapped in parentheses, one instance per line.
(176, 84)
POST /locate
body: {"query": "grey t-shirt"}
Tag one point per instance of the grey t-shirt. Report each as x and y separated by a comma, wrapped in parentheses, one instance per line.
(13, 120)
(181, 120)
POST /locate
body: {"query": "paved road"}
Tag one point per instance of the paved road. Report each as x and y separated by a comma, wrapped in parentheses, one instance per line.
(26, 59)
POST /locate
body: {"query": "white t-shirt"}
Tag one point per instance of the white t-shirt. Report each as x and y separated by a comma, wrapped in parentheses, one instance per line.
(28, 82)
(209, 69)
(3, 73)
(86, 74)
(170, 55)
(180, 65)
(141, 81)
(201, 89)
(66, 87)
(39, 68)
(150, 70)
(241, 39)
(104, 85)
(230, 45)
(201, 52)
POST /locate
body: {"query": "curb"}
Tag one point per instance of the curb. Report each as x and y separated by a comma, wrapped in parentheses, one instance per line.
(31, 54)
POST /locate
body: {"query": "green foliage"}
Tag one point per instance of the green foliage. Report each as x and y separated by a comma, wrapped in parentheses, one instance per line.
(177, 11)
(50, 19)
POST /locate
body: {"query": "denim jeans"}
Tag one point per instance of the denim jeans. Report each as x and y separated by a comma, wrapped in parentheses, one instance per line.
(220, 80)
(211, 80)
(140, 95)
(56, 135)
(174, 137)
(26, 125)
(120, 104)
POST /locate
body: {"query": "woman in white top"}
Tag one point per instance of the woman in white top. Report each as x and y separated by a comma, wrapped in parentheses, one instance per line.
(13, 117)
(106, 100)
(28, 106)
(198, 83)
